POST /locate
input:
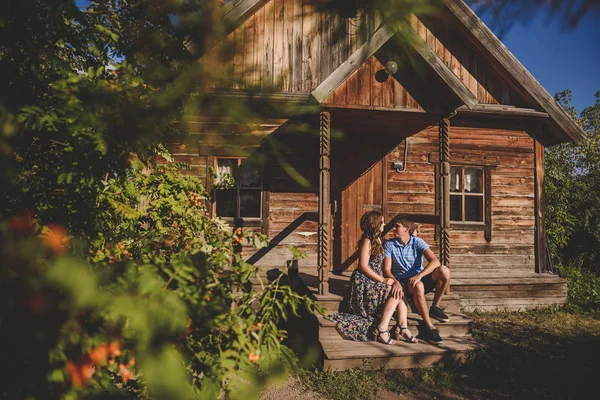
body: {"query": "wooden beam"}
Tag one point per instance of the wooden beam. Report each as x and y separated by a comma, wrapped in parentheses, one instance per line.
(335, 79)
(236, 11)
(540, 232)
(502, 111)
(444, 153)
(324, 231)
(277, 97)
(492, 47)
(444, 73)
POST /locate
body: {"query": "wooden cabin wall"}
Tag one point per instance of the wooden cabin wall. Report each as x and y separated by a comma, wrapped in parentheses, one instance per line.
(293, 177)
(470, 67)
(510, 155)
(412, 192)
(363, 88)
(290, 205)
(288, 46)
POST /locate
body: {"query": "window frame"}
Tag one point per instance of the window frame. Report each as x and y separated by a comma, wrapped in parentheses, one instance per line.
(462, 194)
(238, 188)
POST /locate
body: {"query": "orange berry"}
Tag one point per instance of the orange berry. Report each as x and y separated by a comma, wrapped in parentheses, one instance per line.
(22, 224)
(126, 253)
(99, 354)
(114, 348)
(124, 372)
(131, 362)
(253, 357)
(121, 245)
(56, 239)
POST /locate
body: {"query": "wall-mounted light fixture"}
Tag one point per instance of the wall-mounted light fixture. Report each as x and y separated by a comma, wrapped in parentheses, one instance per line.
(391, 67)
(400, 166)
(397, 166)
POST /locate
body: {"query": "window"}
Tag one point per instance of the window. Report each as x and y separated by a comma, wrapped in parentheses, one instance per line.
(238, 189)
(467, 194)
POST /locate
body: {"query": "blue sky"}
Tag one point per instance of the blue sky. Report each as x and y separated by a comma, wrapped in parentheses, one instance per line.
(560, 59)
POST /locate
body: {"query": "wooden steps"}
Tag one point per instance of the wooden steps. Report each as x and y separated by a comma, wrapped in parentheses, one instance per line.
(459, 325)
(488, 288)
(513, 290)
(340, 354)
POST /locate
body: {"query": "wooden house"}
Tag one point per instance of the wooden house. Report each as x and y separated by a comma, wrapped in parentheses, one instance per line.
(438, 122)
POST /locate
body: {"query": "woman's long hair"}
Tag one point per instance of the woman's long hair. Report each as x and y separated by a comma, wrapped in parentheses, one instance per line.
(370, 223)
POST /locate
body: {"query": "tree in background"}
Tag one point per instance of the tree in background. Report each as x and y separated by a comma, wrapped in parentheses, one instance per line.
(572, 186)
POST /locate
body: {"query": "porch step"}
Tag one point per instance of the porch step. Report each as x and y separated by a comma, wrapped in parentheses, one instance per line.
(340, 354)
(458, 326)
(499, 290)
(334, 303)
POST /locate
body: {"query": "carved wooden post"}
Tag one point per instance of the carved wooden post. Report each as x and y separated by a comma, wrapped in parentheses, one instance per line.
(444, 141)
(324, 234)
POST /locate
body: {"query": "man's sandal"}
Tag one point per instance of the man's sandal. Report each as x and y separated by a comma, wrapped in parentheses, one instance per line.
(377, 337)
(400, 336)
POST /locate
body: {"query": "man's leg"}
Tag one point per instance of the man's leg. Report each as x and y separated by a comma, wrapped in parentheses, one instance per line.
(418, 294)
(441, 276)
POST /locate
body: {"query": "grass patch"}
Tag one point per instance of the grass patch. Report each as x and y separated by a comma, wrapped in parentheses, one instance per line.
(539, 354)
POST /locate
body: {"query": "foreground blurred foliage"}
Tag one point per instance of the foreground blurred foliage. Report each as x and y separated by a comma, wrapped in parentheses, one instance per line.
(114, 280)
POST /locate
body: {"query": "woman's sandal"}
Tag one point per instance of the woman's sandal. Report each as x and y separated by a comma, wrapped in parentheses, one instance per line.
(400, 336)
(377, 337)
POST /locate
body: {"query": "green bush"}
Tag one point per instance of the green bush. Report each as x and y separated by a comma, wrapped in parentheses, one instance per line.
(584, 288)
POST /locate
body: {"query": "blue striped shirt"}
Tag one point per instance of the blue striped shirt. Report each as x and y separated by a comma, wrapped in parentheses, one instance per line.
(407, 261)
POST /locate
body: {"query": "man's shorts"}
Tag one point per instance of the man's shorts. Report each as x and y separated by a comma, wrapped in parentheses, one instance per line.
(428, 283)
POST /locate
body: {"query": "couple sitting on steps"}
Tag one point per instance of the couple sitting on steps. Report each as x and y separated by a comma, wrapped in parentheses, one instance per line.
(387, 275)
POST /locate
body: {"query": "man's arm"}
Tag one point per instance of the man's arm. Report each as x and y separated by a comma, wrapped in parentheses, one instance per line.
(433, 264)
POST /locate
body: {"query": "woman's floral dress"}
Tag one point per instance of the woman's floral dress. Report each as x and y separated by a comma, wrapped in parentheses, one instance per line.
(365, 304)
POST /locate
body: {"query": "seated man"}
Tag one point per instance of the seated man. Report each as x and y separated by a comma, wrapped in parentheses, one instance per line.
(403, 262)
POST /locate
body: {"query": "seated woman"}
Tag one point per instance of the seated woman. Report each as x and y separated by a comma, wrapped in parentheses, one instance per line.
(370, 303)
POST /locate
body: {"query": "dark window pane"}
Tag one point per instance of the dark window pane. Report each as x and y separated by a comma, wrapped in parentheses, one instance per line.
(455, 179)
(473, 180)
(474, 208)
(250, 175)
(250, 203)
(226, 203)
(455, 208)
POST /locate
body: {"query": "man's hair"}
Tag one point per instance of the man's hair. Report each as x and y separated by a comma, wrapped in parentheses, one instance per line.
(406, 223)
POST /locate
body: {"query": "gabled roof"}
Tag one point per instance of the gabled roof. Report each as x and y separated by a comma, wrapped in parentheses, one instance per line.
(558, 122)
(485, 40)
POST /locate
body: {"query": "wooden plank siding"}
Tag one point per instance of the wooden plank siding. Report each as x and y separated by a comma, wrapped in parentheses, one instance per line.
(466, 63)
(290, 46)
(510, 155)
(366, 87)
(291, 213)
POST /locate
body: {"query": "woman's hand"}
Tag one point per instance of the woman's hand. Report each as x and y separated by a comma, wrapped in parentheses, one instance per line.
(388, 281)
(396, 290)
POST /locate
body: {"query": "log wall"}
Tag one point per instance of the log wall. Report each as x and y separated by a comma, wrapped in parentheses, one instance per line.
(465, 62)
(290, 178)
(370, 86)
(289, 46)
(510, 155)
